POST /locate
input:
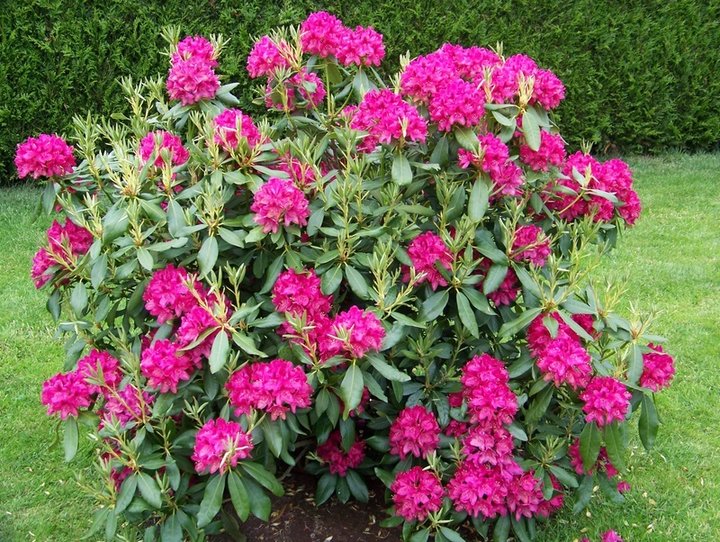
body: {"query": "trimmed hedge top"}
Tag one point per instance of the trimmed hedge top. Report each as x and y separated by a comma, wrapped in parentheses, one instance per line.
(641, 76)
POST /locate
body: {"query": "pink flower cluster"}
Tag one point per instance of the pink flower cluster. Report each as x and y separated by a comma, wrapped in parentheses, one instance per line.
(219, 445)
(493, 158)
(530, 244)
(192, 77)
(165, 366)
(577, 200)
(304, 86)
(658, 369)
(302, 174)
(456, 103)
(167, 296)
(486, 391)
(126, 405)
(538, 335)
(299, 293)
(100, 366)
(414, 432)
(46, 155)
(65, 243)
(606, 400)
(266, 57)
(425, 251)
(233, 126)
(387, 119)
(65, 394)
(416, 493)
(602, 464)
(565, 361)
(163, 144)
(548, 90)
(363, 330)
(337, 459)
(324, 35)
(277, 387)
(550, 153)
(607, 536)
(277, 203)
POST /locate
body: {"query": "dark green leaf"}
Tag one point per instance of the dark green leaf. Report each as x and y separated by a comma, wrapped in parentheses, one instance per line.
(149, 490)
(467, 138)
(331, 280)
(531, 129)
(219, 353)
(452, 536)
(357, 282)
(247, 344)
(126, 493)
(325, 488)
(239, 496)
(387, 370)
(401, 170)
(590, 445)
(351, 388)
(467, 315)
(264, 477)
(508, 329)
(648, 423)
(70, 437)
(615, 445)
(357, 486)
(495, 277)
(433, 306)
(501, 531)
(212, 499)
(479, 200)
(583, 494)
(260, 504)
(207, 256)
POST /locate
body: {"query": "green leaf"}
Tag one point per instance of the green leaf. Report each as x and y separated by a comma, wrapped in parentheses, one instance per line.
(420, 536)
(635, 368)
(357, 486)
(495, 277)
(212, 500)
(539, 405)
(264, 477)
(590, 445)
(260, 504)
(565, 477)
(478, 300)
(357, 282)
(648, 423)
(325, 488)
(433, 306)
(272, 273)
(331, 280)
(79, 299)
(452, 536)
(386, 369)
(145, 258)
(126, 493)
(479, 200)
(351, 388)
(508, 329)
(467, 138)
(149, 490)
(273, 437)
(401, 172)
(234, 238)
(531, 129)
(70, 437)
(219, 353)
(501, 531)
(583, 494)
(99, 271)
(207, 256)
(247, 344)
(615, 445)
(115, 223)
(239, 496)
(467, 315)
(171, 530)
(254, 235)
(315, 221)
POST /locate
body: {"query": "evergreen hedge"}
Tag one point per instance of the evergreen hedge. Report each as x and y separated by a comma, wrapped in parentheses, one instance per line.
(642, 76)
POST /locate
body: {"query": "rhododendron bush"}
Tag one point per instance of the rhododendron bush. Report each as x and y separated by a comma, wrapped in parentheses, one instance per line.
(386, 278)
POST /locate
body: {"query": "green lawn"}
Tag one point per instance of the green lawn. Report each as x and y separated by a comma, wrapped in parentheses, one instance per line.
(672, 258)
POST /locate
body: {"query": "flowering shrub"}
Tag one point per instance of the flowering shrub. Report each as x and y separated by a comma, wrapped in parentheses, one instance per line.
(377, 280)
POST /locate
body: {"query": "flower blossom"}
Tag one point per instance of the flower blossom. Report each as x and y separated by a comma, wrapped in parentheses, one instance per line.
(168, 143)
(279, 203)
(337, 459)
(658, 369)
(416, 493)
(65, 394)
(425, 251)
(165, 366)
(530, 244)
(233, 126)
(606, 400)
(219, 445)
(166, 296)
(266, 57)
(414, 432)
(46, 155)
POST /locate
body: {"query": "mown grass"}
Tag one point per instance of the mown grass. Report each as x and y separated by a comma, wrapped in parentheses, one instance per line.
(671, 259)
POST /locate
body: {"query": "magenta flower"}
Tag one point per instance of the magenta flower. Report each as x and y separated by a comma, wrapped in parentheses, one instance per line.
(65, 394)
(98, 363)
(603, 463)
(530, 244)
(46, 155)
(362, 46)
(197, 48)
(266, 57)
(525, 495)
(489, 444)
(606, 400)
(279, 203)
(299, 293)
(565, 361)
(507, 292)
(550, 153)
(426, 75)
(470, 62)
(414, 432)
(191, 81)
(485, 387)
(363, 330)
(387, 119)
(169, 143)
(233, 126)
(320, 34)
(457, 103)
(337, 459)
(416, 493)
(479, 490)
(425, 251)
(658, 369)
(166, 296)
(165, 366)
(126, 405)
(219, 445)
(548, 90)
(506, 77)
(278, 386)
